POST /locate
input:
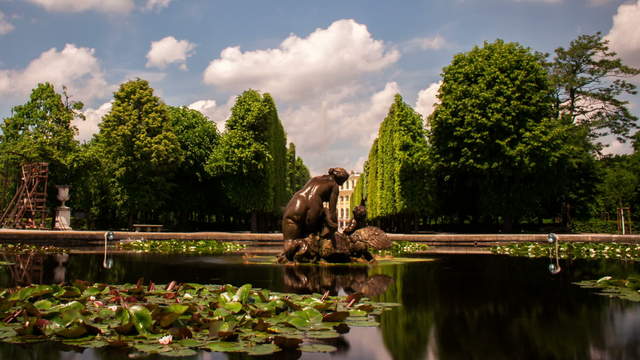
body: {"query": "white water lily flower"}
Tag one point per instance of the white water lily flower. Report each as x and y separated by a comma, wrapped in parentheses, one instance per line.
(166, 340)
(188, 296)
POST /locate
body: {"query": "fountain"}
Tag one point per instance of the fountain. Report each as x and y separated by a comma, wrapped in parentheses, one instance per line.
(309, 228)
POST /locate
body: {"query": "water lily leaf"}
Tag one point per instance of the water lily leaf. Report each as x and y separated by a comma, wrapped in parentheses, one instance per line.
(180, 353)
(43, 304)
(288, 341)
(242, 294)
(362, 323)
(31, 291)
(66, 307)
(68, 292)
(171, 314)
(234, 307)
(151, 348)
(357, 313)
(336, 316)
(263, 349)
(189, 343)
(7, 333)
(224, 346)
(298, 322)
(388, 304)
(221, 312)
(91, 291)
(75, 331)
(322, 335)
(141, 319)
(318, 348)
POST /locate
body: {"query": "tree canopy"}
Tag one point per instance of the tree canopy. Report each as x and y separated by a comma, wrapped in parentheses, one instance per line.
(590, 79)
(494, 134)
(139, 148)
(396, 168)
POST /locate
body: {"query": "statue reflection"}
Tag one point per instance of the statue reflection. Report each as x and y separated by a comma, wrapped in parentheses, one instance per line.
(337, 280)
(60, 271)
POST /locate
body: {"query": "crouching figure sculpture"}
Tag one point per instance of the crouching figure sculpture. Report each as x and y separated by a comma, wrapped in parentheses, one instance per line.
(309, 228)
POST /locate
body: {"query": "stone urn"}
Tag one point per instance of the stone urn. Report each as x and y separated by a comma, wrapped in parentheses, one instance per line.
(63, 212)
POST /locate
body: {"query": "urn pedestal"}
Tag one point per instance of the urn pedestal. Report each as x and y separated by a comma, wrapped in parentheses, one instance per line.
(63, 212)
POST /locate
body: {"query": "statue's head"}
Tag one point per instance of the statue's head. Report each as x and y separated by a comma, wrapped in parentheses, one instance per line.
(339, 174)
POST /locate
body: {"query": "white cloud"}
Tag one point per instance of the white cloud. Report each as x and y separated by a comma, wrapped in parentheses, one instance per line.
(5, 26)
(77, 68)
(88, 127)
(624, 36)
(156, 4)
(427, 99)
(330, 133)
(168, 51)
(427, 43)
(215, 113)
(105, 6)
(302, 67)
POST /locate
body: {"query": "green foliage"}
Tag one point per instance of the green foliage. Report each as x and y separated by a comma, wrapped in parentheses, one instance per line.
(39, 131)
(200, 247)
(496, 144)
(399, 248)
(21, 249)
(360, 190)
(396, 170)
(572, 250)
(250, 158)
(589, 79)
(277, 166)
(626, 289)
(594, 226)
(297, 172)
(174, 319)
(139, 150)
(197, 190)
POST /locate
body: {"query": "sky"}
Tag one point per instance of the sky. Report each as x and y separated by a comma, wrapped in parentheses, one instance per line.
(332, 67)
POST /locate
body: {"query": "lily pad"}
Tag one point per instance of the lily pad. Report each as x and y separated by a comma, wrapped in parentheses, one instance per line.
(318, 348)
(223, 346)
(263, 349)
(180, 353)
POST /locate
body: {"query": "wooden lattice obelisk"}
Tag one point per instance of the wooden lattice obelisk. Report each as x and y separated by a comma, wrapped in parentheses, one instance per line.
(30, 200)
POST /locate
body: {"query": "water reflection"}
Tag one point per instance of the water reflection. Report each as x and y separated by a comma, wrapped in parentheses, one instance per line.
(459, 307)
(335, 279)
(25, 269)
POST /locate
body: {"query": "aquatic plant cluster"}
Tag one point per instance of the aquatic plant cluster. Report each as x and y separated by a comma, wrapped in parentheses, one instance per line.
(21, 248)
(401, 248)
(573, 250)
(202, 247)
(627, 289)
(177, 319)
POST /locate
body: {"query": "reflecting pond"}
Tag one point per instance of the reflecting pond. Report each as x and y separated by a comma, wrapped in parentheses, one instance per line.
(453, 307)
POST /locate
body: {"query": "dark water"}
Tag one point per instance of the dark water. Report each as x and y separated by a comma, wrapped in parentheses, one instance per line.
(455, 307)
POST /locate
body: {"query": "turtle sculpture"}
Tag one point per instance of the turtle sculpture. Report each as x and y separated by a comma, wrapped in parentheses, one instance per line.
(310, 231)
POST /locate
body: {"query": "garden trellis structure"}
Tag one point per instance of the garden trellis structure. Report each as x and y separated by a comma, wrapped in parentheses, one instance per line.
(30, 199)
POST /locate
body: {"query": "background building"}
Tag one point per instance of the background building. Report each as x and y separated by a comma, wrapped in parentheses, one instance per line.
(346, 191)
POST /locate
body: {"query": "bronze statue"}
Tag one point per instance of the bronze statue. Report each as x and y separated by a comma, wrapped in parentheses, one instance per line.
(305, 213)
(309, 228)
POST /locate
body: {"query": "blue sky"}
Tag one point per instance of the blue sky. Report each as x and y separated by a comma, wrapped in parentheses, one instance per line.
(332, 67)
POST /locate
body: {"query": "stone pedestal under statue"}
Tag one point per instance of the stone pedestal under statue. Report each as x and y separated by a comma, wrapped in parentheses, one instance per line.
(63, 212)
